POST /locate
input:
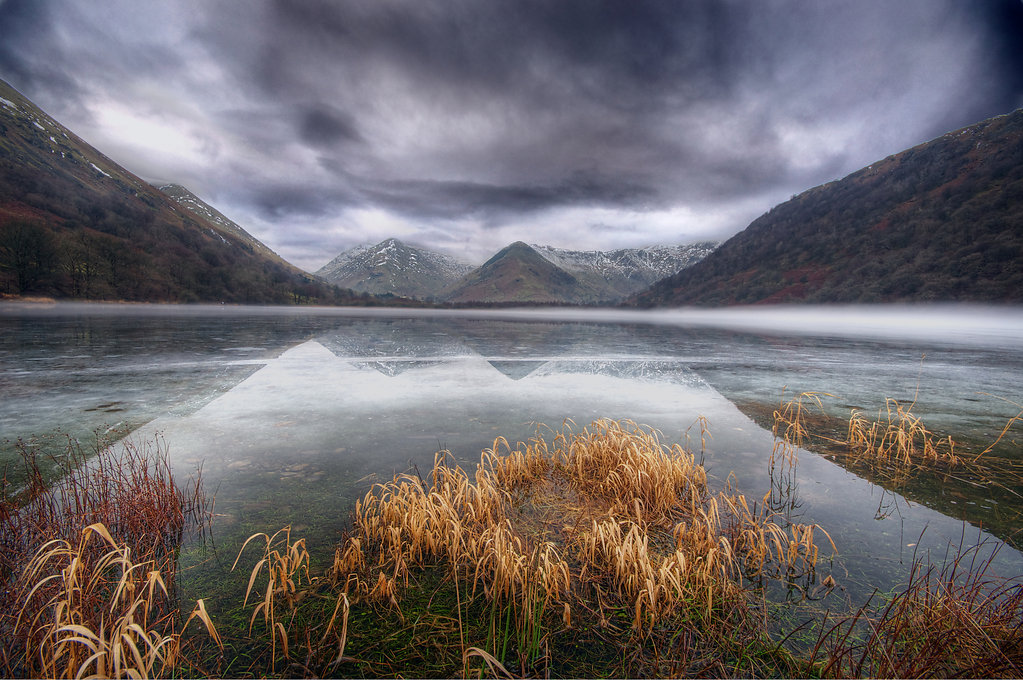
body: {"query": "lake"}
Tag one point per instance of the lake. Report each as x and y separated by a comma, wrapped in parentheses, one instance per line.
(293, 413)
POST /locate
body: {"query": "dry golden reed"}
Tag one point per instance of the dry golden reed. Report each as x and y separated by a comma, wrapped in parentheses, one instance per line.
(898, 437)
(541, 528)
(954, 618)
(87, 562)
(286, 563)
(94, 611)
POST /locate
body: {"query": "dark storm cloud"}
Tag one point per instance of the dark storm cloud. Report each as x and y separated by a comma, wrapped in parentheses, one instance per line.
(1002, 63)
(583, 76)
(322, 126)
(480, 119)
(23, 23)
(454, 199)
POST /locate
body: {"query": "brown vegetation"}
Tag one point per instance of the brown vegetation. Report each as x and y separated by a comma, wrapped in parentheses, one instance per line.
(607, 519)
(953, 619)
(88, 565)
(603, 537)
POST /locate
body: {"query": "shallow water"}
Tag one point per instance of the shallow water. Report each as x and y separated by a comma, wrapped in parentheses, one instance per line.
(293, 414)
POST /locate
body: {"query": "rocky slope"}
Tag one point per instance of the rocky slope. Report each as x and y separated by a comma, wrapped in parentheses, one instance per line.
(197, 206)
(627, 270)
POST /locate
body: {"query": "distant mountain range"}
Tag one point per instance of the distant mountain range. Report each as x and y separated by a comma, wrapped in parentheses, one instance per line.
(622, 272)
(519, 273)
(942, 221)
(74, 224)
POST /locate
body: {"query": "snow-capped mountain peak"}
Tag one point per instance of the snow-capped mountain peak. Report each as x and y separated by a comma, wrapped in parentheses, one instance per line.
(393, 267)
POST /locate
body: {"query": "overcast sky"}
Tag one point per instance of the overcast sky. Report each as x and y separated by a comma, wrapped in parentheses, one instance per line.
(466, 125)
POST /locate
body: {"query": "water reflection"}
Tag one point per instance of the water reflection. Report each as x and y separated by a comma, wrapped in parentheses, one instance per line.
(303, 437)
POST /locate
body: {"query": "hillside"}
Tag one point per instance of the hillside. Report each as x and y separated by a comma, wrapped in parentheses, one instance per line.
(942, 221)
(74, 224)
(393, 267)
(519, 274)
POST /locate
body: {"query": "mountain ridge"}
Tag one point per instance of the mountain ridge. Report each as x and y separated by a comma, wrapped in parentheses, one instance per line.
(627, 270)
(592, 276)
(188, 200)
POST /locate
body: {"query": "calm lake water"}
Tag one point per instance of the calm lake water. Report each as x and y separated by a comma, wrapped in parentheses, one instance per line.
(294, 413)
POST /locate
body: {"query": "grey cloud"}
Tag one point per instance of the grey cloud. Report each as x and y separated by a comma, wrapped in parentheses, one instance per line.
(284, 200)
(27, 23)
(571, 68)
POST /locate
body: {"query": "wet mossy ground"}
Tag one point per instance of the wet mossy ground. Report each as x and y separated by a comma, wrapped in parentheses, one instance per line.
(426, 638)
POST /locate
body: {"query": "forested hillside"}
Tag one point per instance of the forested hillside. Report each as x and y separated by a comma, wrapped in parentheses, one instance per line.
(942, 221)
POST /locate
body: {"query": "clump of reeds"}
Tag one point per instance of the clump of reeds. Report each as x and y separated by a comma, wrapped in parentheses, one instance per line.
(954, 619)
(627, 468)
(896, 443)
(791, 431)
(128, 487)
(608, 513)
(898, 437)
(71, 603)
(286, 562)
(790, 419)
(93, 610)
(288, 582)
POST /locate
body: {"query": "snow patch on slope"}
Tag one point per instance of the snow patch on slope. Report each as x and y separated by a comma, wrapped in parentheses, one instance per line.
(648, 264)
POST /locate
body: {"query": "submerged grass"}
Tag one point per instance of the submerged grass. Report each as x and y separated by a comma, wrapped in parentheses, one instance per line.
(955, 618)
(896, 442)
(896, 450)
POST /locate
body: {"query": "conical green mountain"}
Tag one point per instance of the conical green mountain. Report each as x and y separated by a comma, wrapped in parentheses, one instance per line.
(519, 274)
